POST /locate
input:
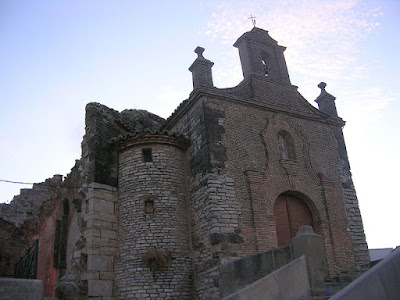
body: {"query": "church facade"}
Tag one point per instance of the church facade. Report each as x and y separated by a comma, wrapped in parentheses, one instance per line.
(232, 172)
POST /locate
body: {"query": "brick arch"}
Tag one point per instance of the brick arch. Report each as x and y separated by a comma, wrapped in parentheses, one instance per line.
(292, 210)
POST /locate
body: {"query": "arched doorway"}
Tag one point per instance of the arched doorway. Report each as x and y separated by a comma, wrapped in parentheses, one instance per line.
(291, 213)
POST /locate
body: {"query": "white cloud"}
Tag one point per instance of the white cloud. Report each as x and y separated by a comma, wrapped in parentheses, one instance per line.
(322, 36)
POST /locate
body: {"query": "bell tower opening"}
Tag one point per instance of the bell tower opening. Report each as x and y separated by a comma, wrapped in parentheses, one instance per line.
(265, 58)
(260, 54)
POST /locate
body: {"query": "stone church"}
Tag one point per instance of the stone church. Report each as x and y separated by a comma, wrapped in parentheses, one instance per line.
(156, 209)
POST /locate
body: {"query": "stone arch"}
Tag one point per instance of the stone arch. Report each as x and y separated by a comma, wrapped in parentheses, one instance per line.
(292, 210)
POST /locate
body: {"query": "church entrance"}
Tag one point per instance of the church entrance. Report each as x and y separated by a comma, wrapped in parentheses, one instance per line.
(291, 213)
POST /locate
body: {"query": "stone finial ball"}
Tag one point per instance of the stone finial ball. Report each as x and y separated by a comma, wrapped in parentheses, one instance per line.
(199, 50)
(322, 85)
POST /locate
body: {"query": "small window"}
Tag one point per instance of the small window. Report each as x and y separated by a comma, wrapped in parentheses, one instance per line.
(147, 155)
(149, 207)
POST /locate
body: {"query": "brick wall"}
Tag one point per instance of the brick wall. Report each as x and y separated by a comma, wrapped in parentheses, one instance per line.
(12, 247)
(240, 138)
(260, 175)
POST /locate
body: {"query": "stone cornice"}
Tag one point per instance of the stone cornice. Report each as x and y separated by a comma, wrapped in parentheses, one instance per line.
(219, 94)
(129, 140)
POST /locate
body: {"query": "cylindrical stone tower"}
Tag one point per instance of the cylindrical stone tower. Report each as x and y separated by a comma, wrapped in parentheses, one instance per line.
(154, 259)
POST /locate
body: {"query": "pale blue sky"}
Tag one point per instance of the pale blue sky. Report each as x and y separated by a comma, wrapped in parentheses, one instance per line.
(56, 56)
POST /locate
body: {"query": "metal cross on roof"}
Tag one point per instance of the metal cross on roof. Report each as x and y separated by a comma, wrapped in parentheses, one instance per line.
(253, 20)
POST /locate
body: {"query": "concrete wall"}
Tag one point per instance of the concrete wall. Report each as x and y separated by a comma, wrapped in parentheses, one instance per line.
(275, 285)
(239, 273)
(21, 289)
(381, 282)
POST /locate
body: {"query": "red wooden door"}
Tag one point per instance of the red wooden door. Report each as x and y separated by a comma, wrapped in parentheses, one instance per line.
(291, 213)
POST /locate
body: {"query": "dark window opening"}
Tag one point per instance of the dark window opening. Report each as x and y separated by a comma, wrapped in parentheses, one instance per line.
(266, 68)
(147, 155)
(65, 207)
(266, 61)
(149, 207)
(60, 243)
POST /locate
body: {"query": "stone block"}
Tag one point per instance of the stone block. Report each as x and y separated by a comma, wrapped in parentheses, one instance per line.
(12, 288)
(100, 242)
(109, 250)
(312, 246)
(107, 275)
(275, 285)
(100, 263)
(102, 288)
(296, 274)
(91, 232)
(90, 275)
(102, 206)
(92, 250)
(111, 234)
(109, 217)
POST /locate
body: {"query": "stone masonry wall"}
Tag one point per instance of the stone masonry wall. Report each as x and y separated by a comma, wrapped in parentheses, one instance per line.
(355, 223)
(214, 208)
(101, 240)
(216, 233)
(154, 259)
(27, 204)
(356, 229)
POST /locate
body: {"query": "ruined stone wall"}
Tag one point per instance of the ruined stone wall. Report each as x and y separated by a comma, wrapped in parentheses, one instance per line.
(27, 204)
(355, 223)
(154, 242)
(213, 205)
(100, 245)
(53, 227)
(102, 124)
